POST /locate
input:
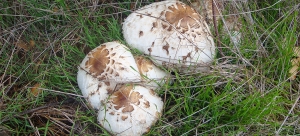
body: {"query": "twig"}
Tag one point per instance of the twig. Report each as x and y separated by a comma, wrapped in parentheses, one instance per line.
(216, 29)
(35, 109)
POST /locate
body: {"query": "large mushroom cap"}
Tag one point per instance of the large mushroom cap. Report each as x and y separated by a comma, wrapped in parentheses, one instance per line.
(171, 32)
(103, 68)
(130, 111)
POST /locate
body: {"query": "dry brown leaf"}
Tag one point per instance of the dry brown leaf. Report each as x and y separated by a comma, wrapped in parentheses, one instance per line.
(35, 89)
(23, 45)
(55, 9)
(297, 51)
(31, 43)
(294, 70)
(295, 63)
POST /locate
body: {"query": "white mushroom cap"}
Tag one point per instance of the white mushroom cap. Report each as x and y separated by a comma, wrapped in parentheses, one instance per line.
(111, 60)
(103, 68)
(152, 76)
(171, 32)
(130, 111)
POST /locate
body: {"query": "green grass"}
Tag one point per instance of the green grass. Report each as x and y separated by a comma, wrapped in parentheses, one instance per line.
(250, 93)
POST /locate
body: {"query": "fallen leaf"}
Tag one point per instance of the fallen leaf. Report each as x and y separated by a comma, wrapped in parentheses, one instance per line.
(297, 51)
(295, 63)
(31, 43)
(23, 45)
(55, 9)
(293, 72)
(35, 89)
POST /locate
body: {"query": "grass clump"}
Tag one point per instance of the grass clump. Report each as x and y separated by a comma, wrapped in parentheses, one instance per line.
(247, 92)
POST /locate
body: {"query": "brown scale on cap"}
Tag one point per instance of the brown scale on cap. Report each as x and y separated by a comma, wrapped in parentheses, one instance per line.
(186, 14)
(197, 49)
(170, 28)
(187, 56)
(110, 91)
(147, 104)
(150, 50)
(154, 25)
(98, 60)
(141, 33)
(144, 65)
(164, 26)
(166, 47)
(124, 118)
(152, 92)
(125, 97)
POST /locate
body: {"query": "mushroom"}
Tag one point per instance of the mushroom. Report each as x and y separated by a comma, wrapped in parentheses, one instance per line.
(172, 33)
(152, 76)
(122, 109)
(103, 69)
(130, 111)
(110, 65)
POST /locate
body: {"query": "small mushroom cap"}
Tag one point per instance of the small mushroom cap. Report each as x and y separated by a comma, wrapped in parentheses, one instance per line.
(152, 75)
(103, 69)
(173, 33)
(130, 111)
(111, 61)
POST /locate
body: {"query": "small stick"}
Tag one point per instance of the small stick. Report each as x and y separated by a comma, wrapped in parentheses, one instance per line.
(216, 28)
